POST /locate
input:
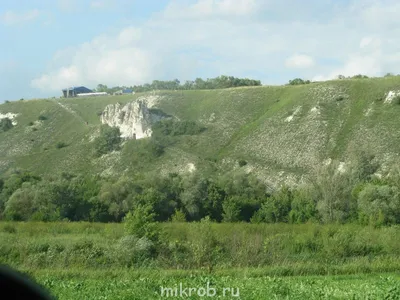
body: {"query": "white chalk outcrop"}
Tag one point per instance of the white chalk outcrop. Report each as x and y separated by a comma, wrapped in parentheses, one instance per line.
(10, 116)
(133, 119)
(391, 95)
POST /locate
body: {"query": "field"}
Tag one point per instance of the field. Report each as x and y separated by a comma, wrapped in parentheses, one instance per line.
(267, 261)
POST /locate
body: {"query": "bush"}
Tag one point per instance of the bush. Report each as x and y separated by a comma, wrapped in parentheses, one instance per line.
(396, 99)
(42, 118)
(298, 81)
(339, 98)
(175, 128)
(108, 141)
(30, 123)
(179, 216)
(6, 124)
(60, 145)
(140, 222)
(242, 162)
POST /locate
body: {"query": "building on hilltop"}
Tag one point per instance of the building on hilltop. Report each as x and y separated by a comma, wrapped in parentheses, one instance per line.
(124, 92)
(75, 91)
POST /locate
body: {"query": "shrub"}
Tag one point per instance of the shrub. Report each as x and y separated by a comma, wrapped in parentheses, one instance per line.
(34, 129)
(298, 81)
(60, 145)
(360, 76)
(108, 141)
(175, 128)
(339, 98)
(179, 216)
(6, 124)
(22, 99)
(30, 123)
(242, 162)
(7, 101)
(42, 118)
(396, 99)
(99, 113)
(140, 222)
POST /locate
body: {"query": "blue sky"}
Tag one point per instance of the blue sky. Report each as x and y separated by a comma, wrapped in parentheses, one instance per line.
(47, 45)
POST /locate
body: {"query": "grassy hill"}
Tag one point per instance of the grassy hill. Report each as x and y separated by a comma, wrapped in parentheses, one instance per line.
(282, 132)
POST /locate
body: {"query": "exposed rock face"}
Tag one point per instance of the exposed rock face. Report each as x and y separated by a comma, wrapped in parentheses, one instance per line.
(133, 119)
(10, 116)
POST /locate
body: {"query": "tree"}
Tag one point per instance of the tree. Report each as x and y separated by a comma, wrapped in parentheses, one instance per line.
(140, 222)
(6, 124)
(380, 204)
(102, 88)
(108, 141)
(276, 208)
(332, 189)
(298, 81)
(20, 206)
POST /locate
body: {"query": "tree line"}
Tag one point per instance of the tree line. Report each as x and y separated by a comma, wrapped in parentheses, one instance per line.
(219, 82)
(329, 197)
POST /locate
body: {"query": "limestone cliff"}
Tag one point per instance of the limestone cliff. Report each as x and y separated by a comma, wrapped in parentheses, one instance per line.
(133, 119)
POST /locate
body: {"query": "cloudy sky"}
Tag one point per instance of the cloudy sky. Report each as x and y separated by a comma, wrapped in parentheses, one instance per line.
(47, 45)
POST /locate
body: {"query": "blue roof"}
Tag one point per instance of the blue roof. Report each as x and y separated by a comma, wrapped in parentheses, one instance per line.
(78, 89)
(127, 91)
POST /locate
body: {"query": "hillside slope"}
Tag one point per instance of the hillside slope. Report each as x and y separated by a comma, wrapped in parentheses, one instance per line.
(282, 132)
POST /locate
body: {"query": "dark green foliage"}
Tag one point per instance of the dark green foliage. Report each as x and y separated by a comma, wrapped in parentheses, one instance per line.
(140, 222)
(242, 162)
(339, 98)
(220, 82)
(42, 118)
(30, 123)
(396, 99)
(7, 101)
(108, 141)
(60, 145)
(158, 112)
(359, 76)
(276, 208)
(174, 128)
(6, 124)
(298, 81)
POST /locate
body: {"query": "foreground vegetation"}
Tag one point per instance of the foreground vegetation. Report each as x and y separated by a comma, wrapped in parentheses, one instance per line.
(96, 261)
(147, 286)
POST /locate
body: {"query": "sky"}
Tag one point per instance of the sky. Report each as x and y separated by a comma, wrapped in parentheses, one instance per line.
(47, 45)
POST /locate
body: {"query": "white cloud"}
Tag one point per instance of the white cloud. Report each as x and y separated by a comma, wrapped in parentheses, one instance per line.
(254, 38)
(110, 60)
(300, 61)
(12, 18)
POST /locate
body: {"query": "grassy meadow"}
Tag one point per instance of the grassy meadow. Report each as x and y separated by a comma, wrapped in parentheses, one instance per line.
(264, 261)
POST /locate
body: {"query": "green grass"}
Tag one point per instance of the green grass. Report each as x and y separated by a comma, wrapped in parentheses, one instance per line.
(240, 122)
(140, 285)
(81, 260)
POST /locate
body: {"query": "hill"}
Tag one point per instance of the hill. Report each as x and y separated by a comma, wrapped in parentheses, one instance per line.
(279, 133)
